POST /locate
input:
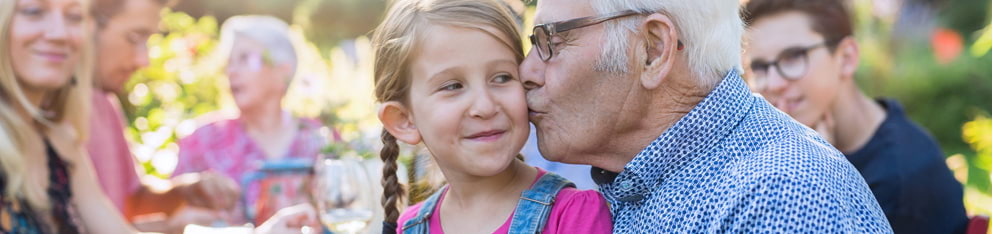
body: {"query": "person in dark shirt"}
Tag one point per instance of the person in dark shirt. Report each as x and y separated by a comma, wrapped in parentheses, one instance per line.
(803, 59)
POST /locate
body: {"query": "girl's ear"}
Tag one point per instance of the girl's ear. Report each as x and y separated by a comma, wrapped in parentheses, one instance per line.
(396, 119)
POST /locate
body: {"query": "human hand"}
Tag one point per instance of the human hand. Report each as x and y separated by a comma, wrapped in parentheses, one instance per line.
(293, 219)
(209, 190)
(178, 221)
(192, 215)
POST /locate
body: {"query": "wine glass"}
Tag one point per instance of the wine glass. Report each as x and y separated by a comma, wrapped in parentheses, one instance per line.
(342, 195)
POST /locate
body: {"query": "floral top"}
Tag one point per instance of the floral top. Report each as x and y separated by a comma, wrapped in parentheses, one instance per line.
(17, 217)
(225, 147)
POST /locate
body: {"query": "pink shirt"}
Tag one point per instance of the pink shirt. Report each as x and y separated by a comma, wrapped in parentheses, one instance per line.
(109, 151)
(225, 147)
(574, 211)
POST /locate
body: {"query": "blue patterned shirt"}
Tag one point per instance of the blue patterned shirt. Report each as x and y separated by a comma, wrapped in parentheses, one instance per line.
(736, 164)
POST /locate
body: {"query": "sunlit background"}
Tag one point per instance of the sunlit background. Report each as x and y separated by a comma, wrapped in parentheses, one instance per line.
(931, 55)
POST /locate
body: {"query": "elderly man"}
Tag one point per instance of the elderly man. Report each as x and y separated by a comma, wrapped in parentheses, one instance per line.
(649, 92)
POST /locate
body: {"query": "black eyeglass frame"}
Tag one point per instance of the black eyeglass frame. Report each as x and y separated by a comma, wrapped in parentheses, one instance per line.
(551, 29)
(804, 51)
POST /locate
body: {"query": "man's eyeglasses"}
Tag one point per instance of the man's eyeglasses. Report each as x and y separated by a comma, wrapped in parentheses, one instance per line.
(541, 37)
(791, 64)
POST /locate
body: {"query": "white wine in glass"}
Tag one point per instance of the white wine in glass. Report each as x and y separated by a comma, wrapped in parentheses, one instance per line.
(342, 193)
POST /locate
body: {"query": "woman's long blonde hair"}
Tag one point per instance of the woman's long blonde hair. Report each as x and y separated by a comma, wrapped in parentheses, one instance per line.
(69, 104)
(394, 42)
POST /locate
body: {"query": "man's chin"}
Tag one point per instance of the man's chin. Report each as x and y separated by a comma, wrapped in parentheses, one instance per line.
(112, 89)
(110, 85)
(550, 153)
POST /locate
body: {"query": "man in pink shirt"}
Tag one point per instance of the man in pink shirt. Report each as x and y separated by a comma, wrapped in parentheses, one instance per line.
(123, 27)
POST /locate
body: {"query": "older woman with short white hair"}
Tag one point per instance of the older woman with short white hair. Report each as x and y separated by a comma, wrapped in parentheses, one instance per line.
(261, 64)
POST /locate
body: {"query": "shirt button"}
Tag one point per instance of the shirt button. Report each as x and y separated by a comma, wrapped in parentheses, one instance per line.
(626, 185)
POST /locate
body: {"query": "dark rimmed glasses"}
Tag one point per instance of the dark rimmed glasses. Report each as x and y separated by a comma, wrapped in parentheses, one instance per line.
(791, 64)
(541, 38)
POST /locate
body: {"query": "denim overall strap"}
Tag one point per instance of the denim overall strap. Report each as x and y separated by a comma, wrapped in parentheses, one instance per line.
(535, 204)
(420, 224)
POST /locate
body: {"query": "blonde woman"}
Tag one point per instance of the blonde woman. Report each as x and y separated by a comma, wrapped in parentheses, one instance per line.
(48, 183)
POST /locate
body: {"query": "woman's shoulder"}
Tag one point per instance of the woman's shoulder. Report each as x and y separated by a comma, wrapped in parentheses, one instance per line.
(215, 136)
(217, 126)
(408, 214)
(317, 130)
(66, 141)
(63, 131)
(210, 132)
(310, 124)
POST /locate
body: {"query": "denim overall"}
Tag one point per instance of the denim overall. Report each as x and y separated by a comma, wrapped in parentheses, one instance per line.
(530, 216)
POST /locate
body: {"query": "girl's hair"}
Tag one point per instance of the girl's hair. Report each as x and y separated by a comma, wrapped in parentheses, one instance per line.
(394, 42)
(69, 104)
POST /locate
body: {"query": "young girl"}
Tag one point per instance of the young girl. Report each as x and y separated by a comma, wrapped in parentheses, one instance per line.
(446, 75)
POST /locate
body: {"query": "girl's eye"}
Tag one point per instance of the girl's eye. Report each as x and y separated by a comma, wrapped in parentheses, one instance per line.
(74, 17)
(452, 86)
(32, 11)
(502, 78)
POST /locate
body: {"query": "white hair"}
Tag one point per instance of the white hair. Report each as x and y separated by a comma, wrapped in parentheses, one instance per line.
(711, 31)
(271, 32)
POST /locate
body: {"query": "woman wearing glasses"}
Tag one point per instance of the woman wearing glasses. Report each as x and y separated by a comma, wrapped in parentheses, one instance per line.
(262, 62)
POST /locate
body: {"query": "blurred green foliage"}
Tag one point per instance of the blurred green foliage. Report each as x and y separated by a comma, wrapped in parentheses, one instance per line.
(978, 134)
(942, 76)
(965, 15)
(180, 83)
(327, 22)
(324, 22)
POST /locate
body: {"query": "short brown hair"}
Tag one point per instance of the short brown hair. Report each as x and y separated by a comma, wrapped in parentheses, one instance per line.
(103, 10)
(829, 18)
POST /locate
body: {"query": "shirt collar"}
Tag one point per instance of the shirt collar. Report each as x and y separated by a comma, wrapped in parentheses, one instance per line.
(709, 122)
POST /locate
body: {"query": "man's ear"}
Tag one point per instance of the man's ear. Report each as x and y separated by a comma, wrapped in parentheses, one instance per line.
(396, 119)
(849, 56)
(661, 43)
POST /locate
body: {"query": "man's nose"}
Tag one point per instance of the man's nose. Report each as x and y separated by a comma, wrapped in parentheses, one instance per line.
(532, 71)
